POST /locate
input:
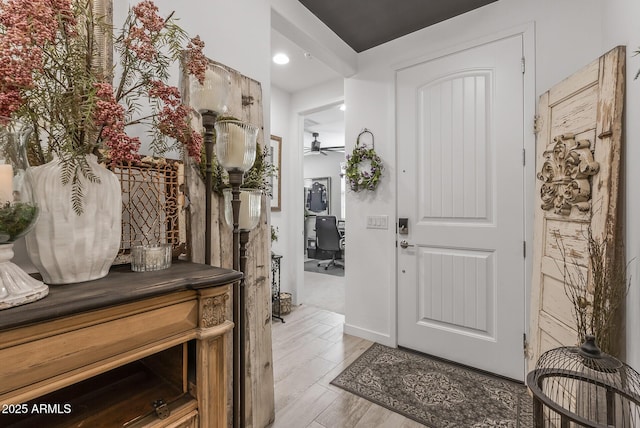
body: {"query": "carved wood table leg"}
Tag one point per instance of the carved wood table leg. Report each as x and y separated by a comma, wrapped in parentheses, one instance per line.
(211, 364)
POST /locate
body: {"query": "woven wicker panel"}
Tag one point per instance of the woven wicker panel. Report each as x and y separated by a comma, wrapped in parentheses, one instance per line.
(151, 204)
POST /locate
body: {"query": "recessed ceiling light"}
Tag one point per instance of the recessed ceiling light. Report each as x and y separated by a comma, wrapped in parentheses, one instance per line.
(281, 58)
(342, 107)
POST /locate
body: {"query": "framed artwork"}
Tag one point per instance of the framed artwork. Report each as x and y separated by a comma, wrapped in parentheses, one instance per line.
(317, 195)
(275, 158)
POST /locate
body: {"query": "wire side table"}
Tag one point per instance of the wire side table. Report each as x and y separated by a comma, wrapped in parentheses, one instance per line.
(276, 303)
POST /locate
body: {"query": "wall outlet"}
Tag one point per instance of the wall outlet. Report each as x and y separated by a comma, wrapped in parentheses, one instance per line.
(377, 222)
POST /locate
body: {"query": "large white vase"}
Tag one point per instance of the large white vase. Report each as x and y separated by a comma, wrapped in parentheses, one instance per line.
(66, 247)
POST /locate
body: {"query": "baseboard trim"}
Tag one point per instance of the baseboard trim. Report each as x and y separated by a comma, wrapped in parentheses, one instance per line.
(371, 335)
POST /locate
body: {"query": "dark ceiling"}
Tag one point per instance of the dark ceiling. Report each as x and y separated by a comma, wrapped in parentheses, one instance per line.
(363, 24)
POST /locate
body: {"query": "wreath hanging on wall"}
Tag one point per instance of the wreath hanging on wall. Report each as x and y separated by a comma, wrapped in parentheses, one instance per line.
(359, 176)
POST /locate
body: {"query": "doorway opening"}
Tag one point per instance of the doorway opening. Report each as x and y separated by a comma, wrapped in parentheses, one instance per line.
(325, 216)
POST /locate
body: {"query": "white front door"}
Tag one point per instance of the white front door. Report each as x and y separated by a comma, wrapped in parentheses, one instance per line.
(460, 133)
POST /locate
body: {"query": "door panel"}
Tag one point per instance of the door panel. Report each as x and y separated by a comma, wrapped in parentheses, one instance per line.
(461, 177)
(456, 289)
(453, 122)
(581, 126)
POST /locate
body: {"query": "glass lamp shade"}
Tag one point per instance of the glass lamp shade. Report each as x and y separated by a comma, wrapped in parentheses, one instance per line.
(250, 202)
(235, 144)
(18, 214)
(213, 95)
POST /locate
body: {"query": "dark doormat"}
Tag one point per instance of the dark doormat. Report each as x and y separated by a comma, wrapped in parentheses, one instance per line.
(312, 266)
(435, 393)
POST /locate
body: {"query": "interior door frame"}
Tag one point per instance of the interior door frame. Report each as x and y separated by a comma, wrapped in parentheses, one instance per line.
(300, 290)
(527, 31)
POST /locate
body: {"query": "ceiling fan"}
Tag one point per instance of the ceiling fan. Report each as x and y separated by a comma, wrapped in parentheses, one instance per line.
(317, 148)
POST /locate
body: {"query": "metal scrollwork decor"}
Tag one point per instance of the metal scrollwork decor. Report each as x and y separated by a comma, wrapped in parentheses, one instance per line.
(565, 175)
(360, 178)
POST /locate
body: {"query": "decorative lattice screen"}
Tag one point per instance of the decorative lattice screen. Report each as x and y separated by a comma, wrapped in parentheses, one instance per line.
(151, 205)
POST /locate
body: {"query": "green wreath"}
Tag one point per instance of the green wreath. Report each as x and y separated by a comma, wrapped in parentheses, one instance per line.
(362, 179)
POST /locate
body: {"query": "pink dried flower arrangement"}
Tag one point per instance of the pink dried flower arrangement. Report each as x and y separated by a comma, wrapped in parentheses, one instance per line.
(50, 76)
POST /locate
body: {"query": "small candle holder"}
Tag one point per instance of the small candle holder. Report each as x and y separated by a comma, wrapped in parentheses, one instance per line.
(236, 143)
(213, 94)
(148, 258)
(250, 201)
(18, 214)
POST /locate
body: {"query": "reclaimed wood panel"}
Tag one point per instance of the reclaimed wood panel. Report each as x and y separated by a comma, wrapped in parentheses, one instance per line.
(555, 302)
(568, 238)
(589, 104)
(245, 104)
(575, 114)
(586, 76)
(258, 289)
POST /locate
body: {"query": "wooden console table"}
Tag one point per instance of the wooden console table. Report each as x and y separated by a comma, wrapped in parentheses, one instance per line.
(129, 350)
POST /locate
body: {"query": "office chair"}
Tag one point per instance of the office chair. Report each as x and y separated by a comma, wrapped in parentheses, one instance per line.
(328, 238)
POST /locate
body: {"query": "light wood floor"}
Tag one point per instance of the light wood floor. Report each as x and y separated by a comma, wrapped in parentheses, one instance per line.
(324, 291)
(309, 351)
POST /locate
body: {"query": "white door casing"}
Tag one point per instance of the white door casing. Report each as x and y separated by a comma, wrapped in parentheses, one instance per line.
(461, 186)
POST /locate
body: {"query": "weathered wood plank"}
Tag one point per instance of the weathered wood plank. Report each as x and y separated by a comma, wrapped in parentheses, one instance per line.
(575, 114)
(561, 336)
(246, 105)
(555, 302)
(258, 288)
(568, 238)
(195, 218)
(584, 77)
(589, 104)
(538, 238)
(609, 131)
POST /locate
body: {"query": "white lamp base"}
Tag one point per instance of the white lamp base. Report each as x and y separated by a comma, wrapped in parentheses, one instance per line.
(16, 286)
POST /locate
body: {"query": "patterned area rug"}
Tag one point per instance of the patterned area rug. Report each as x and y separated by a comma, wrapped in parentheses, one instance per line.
(435, 393)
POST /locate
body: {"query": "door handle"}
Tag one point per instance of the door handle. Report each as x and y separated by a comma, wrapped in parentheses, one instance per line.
(405, 244)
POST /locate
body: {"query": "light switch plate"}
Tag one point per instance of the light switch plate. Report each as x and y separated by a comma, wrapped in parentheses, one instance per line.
(377, 222)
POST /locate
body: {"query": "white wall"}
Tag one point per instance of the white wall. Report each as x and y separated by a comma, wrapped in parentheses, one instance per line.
(217, 22)
(620, 27)
(236, 34)
(280, 125)
(563, 44)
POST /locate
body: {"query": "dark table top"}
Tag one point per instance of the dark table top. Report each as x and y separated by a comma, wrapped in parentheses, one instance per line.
(120, 286)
